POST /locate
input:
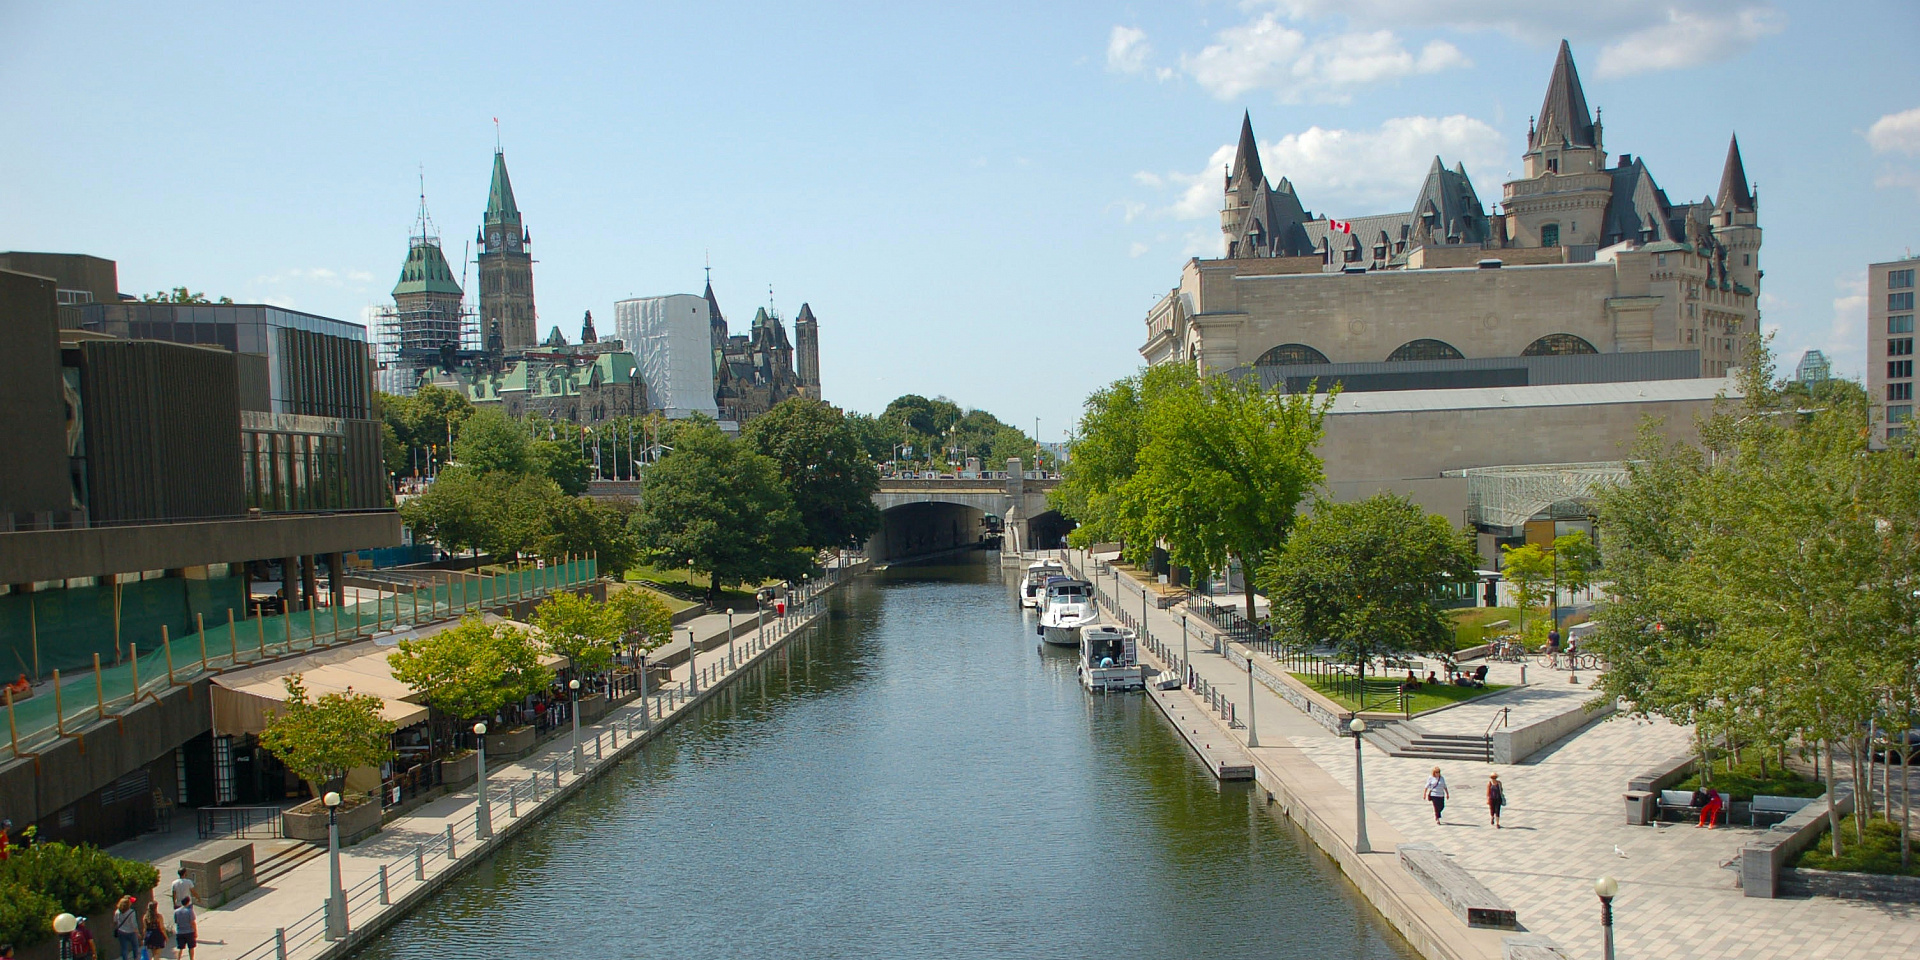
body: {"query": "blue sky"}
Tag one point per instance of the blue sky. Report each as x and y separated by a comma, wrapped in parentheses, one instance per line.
(978, 200)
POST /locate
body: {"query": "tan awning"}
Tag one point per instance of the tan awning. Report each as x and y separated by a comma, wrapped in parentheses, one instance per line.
(243, 700)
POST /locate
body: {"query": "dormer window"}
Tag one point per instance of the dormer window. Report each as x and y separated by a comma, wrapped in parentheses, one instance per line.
(1553, 164)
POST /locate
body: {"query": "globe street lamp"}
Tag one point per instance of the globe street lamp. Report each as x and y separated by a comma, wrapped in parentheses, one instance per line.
(1607, 888)
(693, 675)
(63, 925)
(482, 813)
(1360, 844)
(337, 895)
(573, 694)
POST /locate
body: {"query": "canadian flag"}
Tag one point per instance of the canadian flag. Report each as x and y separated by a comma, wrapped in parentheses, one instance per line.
(1340, 226)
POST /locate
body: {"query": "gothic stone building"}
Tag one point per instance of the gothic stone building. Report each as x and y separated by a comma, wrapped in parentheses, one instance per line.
(756, 370)
(1585, 255)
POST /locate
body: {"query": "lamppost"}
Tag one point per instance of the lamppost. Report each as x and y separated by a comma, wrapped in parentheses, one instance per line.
(1360, 844)
(693, 676)
(63, 925)
(1253, 735)
(573, 694)
(337, 895)
(646, 709)
(482, 813)
(1607, 888)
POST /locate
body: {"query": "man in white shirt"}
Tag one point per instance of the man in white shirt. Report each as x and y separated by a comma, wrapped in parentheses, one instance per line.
(182, 888)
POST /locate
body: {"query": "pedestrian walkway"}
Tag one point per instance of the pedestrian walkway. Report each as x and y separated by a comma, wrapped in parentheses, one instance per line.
(1565, 825)
(413, 854)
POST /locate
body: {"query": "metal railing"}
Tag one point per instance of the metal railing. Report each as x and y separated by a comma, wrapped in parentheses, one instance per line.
(150, 670)
(259, 822)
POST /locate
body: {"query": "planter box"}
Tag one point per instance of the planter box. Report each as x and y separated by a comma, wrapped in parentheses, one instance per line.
(359, 819)
(593, 707)
(509, 745)
(457, 772)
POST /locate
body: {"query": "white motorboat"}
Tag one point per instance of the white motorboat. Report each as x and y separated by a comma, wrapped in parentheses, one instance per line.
(1033, 588)
(1068, 607)
(1109, 659)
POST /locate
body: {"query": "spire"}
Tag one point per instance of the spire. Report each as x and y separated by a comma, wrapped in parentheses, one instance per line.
(500, 205)
(1246, 159)
(806, 313)
(1735, 195)
(587, 334)
(1564, 115)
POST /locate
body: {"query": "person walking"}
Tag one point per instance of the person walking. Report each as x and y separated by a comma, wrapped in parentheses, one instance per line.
(126, 928)
(186, 930)
(1436, 791)
(80, 941)
(153, 932)
(182, 888)
(1496, 798)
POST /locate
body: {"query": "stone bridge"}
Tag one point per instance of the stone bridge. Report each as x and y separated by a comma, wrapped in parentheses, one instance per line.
(920, 517)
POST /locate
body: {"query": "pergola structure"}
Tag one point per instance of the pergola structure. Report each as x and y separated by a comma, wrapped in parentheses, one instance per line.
(1509, 496)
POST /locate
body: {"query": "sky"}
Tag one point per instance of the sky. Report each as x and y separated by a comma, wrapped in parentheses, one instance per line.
(978, 200)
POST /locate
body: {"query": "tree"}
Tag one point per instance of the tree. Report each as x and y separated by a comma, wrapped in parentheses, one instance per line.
(39, 881)
(561, 462)
(1530, 570)
(645, 620)
(180, 295)
(583, 525)
(826, 472)
(1366, 578)
(1223, 468)
(492, 442)
(1096, 488)
(718, 507)
(578, 628)
(471, 669)
(321, 739)
(519, 513)
(457, 511)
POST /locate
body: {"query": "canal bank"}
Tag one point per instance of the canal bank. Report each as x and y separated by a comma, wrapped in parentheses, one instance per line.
(1291, 782)
(393, 872)
(916, 778)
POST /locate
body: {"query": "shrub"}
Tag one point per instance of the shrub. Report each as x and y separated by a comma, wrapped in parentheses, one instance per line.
(1879, 853)
(45, 879)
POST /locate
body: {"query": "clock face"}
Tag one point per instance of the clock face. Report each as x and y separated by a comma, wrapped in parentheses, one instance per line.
(494, 240)
(513, 242)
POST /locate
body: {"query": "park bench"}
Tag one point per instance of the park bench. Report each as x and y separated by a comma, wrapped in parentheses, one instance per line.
(1678, 800)
(1469, 900)
(1775, 809)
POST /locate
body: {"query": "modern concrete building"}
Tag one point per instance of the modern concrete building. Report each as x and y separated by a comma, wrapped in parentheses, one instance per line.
(157, 461)
(1890, 295)
(672, 342)
(1588, 257)
(78, 277)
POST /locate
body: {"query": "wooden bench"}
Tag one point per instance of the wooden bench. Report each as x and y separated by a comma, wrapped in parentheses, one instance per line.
(1774, 809)
(1678, 800)
(1469, 900)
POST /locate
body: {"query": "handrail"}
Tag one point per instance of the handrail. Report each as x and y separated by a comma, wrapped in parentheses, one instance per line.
(1499, 719)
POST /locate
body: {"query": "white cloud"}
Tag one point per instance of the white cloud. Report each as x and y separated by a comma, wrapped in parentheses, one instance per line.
(1137, 249)
(1842, 336)
(1128, 50)
(1896, 133)
(1346, 172)
(1268, 54)
(1636, 35)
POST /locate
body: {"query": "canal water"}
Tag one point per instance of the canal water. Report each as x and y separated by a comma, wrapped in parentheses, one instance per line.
(914, 779)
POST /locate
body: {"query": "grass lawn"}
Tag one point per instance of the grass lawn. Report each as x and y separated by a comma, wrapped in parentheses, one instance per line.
(1468, 621)
(1428, 697)
(673, 603)
(691, 587)
(1745, 781)
(1880, 853)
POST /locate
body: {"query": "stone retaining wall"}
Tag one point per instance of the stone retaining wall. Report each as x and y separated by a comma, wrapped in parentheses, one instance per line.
(1885, 888)
(1518, 743)
(1763, 860)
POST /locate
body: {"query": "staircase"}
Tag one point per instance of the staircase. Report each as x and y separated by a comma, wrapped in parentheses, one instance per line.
(290, 855)
(1403, 738)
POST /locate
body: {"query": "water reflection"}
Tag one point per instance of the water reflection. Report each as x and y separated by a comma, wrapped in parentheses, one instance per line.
(919, 777)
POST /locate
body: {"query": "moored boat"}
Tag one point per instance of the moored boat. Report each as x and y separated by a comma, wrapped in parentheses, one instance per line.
(1110, 659)
(1068, 607)
(1033, 588)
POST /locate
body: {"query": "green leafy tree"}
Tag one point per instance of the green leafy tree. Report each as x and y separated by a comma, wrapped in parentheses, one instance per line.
(1530, 569)
(1223, 468)
(1366, 578)
(583, 525)
(492, 442)
(646, 621)
(520, 510)
(584, 631)
(457, 511)
(471, 669)
(320, 739)
(719, 508)
(180, 295)
(1097, 488)
(563, 463)
(876, 436)
(827, 473)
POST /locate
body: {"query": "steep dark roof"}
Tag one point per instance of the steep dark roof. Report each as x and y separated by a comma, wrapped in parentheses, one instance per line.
(1735, 194)
(713, 306)
(426, 270)
(1637, 206)
(500, 205)
(1246, 159)
(805, 315)
(1564, 115)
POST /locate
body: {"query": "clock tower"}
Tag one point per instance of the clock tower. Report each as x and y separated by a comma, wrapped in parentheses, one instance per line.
(506, 269)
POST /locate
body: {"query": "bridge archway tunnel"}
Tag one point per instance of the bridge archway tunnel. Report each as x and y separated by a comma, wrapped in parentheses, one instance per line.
(927, 527)
(1048, 531)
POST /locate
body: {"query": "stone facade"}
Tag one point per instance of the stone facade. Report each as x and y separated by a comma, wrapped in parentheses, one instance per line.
(507, 318)
(756, 369)
(563, 386)
(1585, 258)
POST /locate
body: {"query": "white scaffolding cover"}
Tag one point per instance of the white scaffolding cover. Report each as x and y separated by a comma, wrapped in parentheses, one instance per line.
(672, 342)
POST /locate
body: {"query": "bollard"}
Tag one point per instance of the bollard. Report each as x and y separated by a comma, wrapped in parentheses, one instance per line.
(133, 660)
(513, 801)
(452, 851)
(200, 625)
(99, 688)
(556, 774)
(386, 900)
(420, 862)
(167, 645)
(597, 756)
(280, 943)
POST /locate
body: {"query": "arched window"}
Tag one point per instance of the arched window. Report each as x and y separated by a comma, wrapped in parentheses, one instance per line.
(1290, 355)
(1425, 350)
(1557, 345)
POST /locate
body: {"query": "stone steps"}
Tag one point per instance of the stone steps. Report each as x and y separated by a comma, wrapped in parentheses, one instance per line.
(1402, 738)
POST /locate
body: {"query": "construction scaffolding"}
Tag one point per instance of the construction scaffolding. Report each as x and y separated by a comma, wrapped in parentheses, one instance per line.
(428, 324)
(1509, 496)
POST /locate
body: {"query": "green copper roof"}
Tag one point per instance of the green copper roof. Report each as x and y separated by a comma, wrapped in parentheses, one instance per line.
(426, 271)
(500, 206)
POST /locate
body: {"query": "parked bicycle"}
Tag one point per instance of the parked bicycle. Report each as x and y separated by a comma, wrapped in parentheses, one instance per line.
(1507, 650)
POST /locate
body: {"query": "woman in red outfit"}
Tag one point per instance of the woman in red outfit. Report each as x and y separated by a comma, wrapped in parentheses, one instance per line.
(1710, 811)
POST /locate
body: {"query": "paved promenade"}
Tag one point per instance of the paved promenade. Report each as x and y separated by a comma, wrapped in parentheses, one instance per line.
(1565, 819)
(540, 781)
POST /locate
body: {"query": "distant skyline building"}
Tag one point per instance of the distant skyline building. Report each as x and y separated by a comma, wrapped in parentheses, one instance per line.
(1890, 296)
(1814, 367)
(508, 321)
